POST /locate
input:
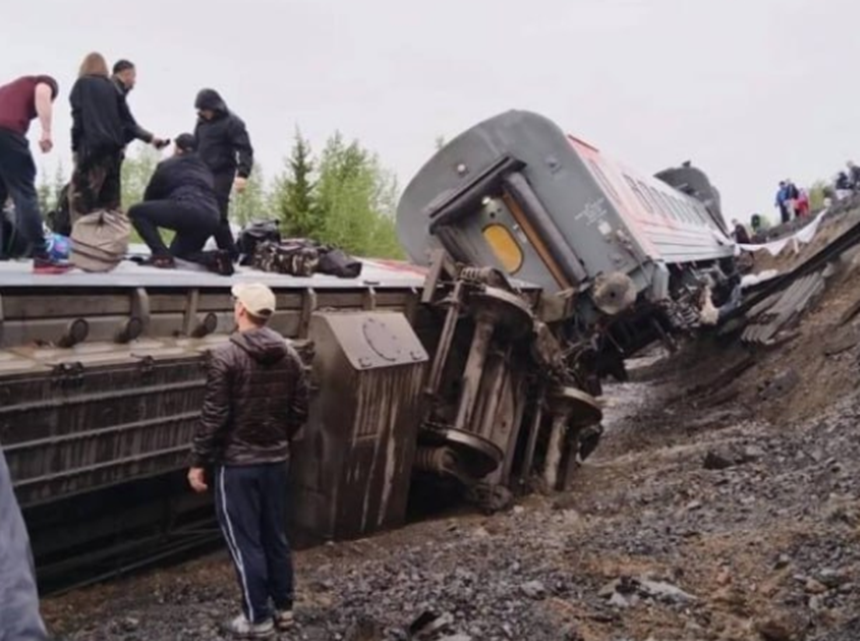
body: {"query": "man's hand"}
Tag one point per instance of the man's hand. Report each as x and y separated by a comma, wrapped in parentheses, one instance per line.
(196, 480)
(45, 143)
(240, 183)
(158, 143)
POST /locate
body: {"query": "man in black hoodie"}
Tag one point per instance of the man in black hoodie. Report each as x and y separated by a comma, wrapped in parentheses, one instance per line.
(224, 145)
(180, 196)
(256, 400)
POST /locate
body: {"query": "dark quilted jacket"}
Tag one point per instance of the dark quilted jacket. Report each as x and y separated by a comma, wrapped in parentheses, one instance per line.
(256, 401)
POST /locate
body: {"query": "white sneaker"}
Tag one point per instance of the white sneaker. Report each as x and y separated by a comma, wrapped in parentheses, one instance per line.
(241, 628)
(284, 619)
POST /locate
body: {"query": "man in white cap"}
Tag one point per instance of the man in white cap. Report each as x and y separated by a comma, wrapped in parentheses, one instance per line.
(256, 400)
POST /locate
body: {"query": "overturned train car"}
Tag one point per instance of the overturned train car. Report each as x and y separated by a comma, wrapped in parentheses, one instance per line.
(541, 265)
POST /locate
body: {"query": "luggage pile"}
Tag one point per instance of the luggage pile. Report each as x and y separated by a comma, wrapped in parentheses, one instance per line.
(263, 248)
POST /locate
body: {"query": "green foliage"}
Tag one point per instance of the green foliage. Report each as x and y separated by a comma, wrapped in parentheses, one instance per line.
(293, 195)
(346, 198)
(252, 204)
(49, 191)
(817, 193)
(136, 172)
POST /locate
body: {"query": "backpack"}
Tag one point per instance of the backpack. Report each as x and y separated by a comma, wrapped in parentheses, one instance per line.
(336, 263)
(254, 234)
(100, 240)
(295, 257)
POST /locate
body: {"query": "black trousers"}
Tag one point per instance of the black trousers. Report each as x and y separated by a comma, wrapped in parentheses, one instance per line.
(251, 504)
(18, 181)
(193, 227)
(223, 235)
(97, 183)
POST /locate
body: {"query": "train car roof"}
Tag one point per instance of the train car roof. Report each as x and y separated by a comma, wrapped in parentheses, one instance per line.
(383, 274)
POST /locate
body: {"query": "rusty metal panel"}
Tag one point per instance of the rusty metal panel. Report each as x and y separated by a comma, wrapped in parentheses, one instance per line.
(351, 469)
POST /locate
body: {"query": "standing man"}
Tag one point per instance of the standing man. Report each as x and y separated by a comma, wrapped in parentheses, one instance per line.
(125, 78)
(256, 400)
(224, 145)
(21, 102)
(19, 599)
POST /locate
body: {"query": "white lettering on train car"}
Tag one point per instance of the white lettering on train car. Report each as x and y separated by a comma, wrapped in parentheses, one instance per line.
(593, 212)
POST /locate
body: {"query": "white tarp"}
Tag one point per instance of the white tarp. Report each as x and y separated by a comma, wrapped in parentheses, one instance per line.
(801, 236)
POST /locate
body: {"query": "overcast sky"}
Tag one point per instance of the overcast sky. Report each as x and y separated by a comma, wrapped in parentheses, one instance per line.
(753, 91)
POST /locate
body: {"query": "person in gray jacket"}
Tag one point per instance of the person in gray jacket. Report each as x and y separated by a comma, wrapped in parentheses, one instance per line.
(19, 599)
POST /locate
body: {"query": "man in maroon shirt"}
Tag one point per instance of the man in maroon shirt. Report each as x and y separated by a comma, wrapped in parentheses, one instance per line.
(21, 102)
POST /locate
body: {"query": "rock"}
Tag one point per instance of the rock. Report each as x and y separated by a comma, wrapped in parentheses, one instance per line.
(815, 587)
(533, 590)
(619, 601)
(717, 461)
(130, 624)
(481, 533)
(609, 589)
(783, 562)
(783, 627)
(694, 505)
(519, 509)
(665, 591)
(832, 579)
(457, 637)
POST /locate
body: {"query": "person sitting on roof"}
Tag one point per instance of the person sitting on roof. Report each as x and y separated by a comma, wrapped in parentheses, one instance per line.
(181, 196)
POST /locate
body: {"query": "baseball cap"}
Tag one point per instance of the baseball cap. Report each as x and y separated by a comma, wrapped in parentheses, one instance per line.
(258, 299)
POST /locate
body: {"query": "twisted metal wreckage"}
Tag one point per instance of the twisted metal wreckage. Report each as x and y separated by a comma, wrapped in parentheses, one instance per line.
(539, 266)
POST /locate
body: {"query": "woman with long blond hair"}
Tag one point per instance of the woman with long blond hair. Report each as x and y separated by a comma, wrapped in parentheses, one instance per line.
(98, 139)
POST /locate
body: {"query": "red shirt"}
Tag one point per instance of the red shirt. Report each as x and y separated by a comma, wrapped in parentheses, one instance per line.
(18, 102)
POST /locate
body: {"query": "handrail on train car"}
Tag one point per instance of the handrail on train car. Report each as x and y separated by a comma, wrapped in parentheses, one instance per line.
(452, 206)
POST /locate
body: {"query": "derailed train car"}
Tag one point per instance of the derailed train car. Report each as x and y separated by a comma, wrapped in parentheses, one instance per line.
(542, 265)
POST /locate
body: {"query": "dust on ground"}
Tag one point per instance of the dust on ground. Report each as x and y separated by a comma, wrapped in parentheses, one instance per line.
(719, 507)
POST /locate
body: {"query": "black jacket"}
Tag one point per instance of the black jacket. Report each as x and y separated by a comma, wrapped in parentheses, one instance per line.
(256, 400)
(97, 117)
(223, 142)
(19, 599)
(133, 131)
(184, 178)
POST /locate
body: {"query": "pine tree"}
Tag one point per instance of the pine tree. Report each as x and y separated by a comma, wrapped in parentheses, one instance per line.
(294, 193)
(252, 203)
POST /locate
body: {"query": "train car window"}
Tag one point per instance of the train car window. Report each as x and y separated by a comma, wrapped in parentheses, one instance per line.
(658, 202)
(655, 204)
(639, 194)
(694, 217)
(703, 213)
(504, 246)
(682, 210)
(604, 181)
(667, 205)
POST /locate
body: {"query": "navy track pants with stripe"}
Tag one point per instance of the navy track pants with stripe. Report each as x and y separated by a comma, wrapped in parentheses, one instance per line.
(251, 504)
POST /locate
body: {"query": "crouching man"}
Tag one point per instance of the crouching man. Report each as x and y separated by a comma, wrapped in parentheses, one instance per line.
(256, 400)
(181, 196)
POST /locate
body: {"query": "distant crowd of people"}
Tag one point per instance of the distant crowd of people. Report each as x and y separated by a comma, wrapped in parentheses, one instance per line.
(794, 202)
(189, 193)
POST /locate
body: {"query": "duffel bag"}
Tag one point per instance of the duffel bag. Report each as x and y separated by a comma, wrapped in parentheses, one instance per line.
(100, 240)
